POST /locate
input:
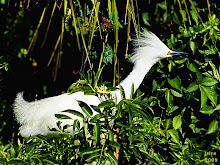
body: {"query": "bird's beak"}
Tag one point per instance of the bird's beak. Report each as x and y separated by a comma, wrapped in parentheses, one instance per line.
(173, 53)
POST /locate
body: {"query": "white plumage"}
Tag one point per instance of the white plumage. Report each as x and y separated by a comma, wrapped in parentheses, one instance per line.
(35, 117)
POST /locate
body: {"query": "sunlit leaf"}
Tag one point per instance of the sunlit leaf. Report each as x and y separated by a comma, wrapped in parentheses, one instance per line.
(207, 110)
(97, 76)
(90, 151)
(172, 109)
(146, 18)
(74, 113)
(86, 109)
(163, 5)
(175, 93)
(192, 46)
(194, 16)
(203, 97)
(213, 126)
(208, 81)
(175, 83)
(177, 121)
(155, 86)
(174, 134)
(217, 107)
(61, 116)
(168, 97)
(211, 94)
(192, 87)
(168, 123)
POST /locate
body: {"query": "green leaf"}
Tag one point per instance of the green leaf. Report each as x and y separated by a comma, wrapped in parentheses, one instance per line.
(174, 135)
(170, 66)
(112, 157)
(176, 18)
(192, 126)
(92, 157)
(206, 52)
(108, 54)
(61, 116)
(97, 132)
(193, 87)
(163, 5)
(90, 151)
(86, 109)
(150, 157)
(22, 53)
(77, 83)
(193, 67)
(83, 76)
(146, 18)
(192, 46)
(122, 92)
(180, 61)
(214, 70)
(168, 97)
(175, 93)
(97, 76)
(111, 135)
(203, 97)
(89, 79)
(213, 126)
(116, 145)
(177, 121)
(132, 91)
(76, 126)
(136, 152)
(211, 94)
(194, 16)
(155, 86)
(172, 109)
(217, 107)
(74, 113)
(145, 115)
(105, 104)
(207, 110)
(168, 123)
(208, 81)
(175, 83)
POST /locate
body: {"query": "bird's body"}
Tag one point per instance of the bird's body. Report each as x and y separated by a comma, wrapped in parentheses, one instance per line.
(35, 117)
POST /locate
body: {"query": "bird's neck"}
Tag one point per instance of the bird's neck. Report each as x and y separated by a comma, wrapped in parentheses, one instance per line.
(137, 75)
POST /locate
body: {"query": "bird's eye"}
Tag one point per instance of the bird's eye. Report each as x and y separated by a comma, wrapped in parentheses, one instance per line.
(169, 53)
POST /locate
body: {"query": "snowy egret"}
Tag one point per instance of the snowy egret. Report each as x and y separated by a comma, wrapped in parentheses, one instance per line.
(35, 117)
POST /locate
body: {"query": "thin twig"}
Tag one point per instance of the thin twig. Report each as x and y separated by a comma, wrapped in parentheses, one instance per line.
(160, 118)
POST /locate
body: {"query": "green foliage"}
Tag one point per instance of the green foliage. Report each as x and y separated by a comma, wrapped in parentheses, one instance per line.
(3, 64)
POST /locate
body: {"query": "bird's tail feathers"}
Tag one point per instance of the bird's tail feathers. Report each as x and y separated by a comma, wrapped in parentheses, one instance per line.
(19, 107)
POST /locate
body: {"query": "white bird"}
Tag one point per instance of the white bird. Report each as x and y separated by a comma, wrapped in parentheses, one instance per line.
(36, 117)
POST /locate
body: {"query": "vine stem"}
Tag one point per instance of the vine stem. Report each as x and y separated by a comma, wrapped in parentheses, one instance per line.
(160, 118)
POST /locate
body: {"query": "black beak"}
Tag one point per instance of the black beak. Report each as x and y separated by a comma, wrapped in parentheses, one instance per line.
(173, 53)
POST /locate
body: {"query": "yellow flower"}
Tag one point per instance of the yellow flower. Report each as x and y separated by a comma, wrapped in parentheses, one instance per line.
(102, 89)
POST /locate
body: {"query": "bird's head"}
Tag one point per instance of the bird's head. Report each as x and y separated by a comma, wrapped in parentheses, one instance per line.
(149, 47)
